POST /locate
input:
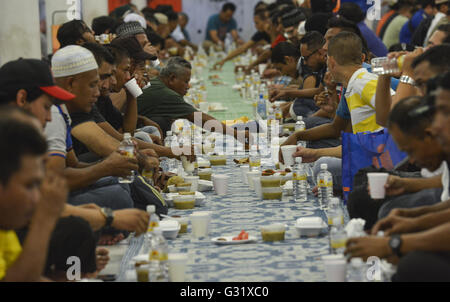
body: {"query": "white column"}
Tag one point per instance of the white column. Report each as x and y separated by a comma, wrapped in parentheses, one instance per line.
(140, 3)
(19, 30)
(93, 9)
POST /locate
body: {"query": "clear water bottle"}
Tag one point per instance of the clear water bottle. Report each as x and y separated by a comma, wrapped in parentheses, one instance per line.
(159, 264)
(255, 159)
(356, 270)
(127, 146)
(270, 125)
(335, 212)
(338, 238)
(152, 224)
(278, 114)
(300, 126)
(325, 186)
(240, 76)
(385, 65)
(248, 87)
(168, 139)
(262, 106)
(299, 179)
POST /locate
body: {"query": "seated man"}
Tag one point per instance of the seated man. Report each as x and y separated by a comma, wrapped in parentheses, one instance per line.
(163, 101)
(27, 197)
(219, 25)
(75, 32)
(33, 91)
(416, 239)
(412, 133)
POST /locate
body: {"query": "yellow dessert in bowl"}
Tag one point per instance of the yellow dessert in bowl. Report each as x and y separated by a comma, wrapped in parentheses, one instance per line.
(184, 202)
(273, 232)
(272, 193)
(218, 160)
(205, 174)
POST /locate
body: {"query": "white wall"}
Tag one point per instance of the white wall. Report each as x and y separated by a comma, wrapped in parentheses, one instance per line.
(87, 9)
(200, 10)
(19, 30)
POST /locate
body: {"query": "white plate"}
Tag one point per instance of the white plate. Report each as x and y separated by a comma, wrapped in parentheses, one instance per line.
(230, 240)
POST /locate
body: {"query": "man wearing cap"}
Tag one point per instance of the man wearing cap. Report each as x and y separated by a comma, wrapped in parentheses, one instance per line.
(134, 29)
(19, 88)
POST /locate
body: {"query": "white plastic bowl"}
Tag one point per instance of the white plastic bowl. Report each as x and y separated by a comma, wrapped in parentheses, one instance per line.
(309, 226)
(205, 185)
(170, 228)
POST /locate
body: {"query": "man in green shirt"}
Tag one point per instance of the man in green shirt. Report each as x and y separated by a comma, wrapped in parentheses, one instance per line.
(163, 101)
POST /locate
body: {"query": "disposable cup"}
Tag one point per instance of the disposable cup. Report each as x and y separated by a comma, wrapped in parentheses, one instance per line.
(376, 184)
(250, 176)
(288, 151)
(204, 107)
(257, 186)
(133, 88)
(220, 183)
(193, 180)
(244, 170)
(177, 267)
(335, 270)
(200, 223)
(261, 68)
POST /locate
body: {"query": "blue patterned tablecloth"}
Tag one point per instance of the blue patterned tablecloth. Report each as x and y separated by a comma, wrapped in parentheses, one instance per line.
(294, 259)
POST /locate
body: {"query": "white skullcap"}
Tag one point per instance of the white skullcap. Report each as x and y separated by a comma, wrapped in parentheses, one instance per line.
(72, 60)
(162, 19)
(137, 18)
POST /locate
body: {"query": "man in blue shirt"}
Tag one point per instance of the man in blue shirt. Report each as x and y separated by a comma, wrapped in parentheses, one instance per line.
(410, 26)
(219, 25)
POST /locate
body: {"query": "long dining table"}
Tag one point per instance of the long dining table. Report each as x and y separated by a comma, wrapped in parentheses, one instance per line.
(293, 260)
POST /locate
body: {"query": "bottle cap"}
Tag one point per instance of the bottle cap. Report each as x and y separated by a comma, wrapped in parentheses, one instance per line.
(151, 209)
(157, 231)
(323, 166)
(299, 118)
(126, 135)
(298, 160)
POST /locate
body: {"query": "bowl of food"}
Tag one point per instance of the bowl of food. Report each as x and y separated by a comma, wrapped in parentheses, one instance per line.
(273, 232)
(272, 181)
(170, 228)
(183, 221)
(217, 160)
(184, 202)
(205, 174)
(309, 226)
(183, 187)
(205, 185)
(272, 193)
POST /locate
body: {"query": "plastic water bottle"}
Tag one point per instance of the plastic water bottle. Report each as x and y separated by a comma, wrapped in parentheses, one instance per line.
(127, 146)
(262, 108)
(152, 224)
(300, 126)
(338, 238)
(240, 76)
(356, 270)
(300, 181)
(385, 65)
(335, 213)
(270, 125)
(325, 186)
(255, 159)
(168, 139)
(159, 265)
(248, 87)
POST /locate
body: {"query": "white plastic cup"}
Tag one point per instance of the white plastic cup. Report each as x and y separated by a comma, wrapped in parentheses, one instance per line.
(220, 183)
(376, 184)
(204, 107)
(133, 88)
(193, 180)
(244, 170)
(250, 176)
(257, 186)
(261, 68)
(177, 267)
(288, 151)
(335, 270)
(200, 223)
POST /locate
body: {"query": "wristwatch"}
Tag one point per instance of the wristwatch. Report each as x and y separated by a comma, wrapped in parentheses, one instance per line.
(395, 243)
(109, 216)
(407, 80)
